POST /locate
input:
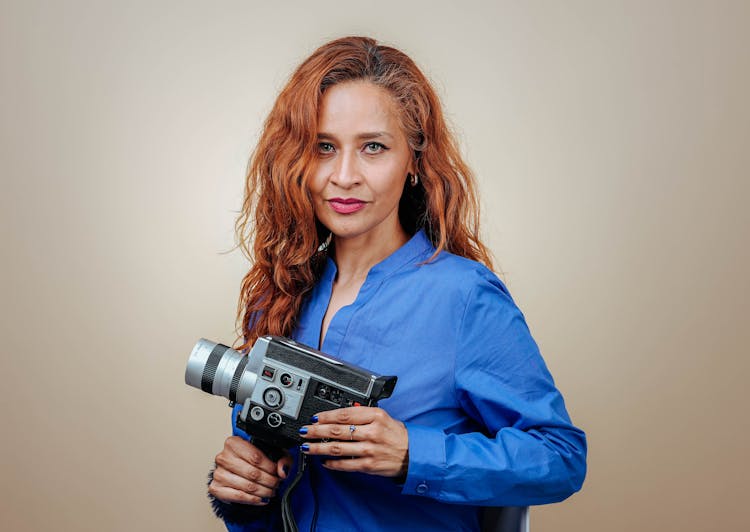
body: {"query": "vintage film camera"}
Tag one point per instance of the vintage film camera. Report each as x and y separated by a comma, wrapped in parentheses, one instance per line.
(281, 384)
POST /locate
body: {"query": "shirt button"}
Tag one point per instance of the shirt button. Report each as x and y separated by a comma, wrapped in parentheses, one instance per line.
(422, 488)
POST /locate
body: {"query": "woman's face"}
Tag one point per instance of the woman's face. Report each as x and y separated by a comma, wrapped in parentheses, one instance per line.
(363, 161)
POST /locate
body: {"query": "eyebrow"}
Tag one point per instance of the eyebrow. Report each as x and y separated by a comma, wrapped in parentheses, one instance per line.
(362, 136)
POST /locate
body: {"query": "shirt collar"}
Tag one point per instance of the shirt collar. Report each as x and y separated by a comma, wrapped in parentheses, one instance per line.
(417, 249)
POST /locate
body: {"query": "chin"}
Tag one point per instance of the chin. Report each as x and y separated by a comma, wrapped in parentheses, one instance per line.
(347, 230)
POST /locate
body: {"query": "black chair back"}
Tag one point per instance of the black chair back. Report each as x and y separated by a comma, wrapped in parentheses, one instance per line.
(505, 519)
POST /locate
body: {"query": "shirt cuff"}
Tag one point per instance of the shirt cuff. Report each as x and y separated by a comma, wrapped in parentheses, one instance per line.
(426, 461)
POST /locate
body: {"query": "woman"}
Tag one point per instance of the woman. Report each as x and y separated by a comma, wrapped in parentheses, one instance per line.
(366, 246)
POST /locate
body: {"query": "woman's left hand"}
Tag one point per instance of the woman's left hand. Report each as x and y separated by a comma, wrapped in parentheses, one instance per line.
(367, 440)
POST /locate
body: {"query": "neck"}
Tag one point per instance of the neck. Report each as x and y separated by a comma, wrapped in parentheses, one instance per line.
(355, 257)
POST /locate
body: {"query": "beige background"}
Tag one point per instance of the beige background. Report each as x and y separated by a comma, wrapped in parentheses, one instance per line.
(611, 144)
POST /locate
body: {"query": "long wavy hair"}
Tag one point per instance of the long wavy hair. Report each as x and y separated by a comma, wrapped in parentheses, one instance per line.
(277, 228)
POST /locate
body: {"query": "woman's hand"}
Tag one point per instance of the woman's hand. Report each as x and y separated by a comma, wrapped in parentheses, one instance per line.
(245, 475)
(368, 440)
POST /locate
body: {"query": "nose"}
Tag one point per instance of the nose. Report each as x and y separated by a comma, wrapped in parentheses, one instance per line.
(346, 173)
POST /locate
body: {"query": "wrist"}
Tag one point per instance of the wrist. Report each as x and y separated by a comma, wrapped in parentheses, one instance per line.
(400, 477)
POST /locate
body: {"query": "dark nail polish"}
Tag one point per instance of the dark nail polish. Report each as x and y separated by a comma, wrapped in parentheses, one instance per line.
(265, 499)
(303, 430)
(304, 447)
(314, 419)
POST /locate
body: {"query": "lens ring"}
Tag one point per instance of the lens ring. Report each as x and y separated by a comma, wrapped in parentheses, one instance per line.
(209, 372)
(236, 379)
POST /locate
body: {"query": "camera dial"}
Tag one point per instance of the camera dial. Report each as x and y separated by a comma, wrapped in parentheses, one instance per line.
(273, 397)
(274, 419)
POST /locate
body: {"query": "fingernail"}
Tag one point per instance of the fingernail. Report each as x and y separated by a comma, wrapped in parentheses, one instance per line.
(265, 499)
(314, 419)
(304, 447)
(303, 430)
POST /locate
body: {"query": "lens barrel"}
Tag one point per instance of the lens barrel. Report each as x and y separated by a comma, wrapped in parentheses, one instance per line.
(219, 370)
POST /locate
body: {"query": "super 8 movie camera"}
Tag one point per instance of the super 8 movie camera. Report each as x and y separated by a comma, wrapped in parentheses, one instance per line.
(281, 384)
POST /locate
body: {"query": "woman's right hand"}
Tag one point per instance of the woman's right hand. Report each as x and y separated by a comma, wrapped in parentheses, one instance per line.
(246, 475)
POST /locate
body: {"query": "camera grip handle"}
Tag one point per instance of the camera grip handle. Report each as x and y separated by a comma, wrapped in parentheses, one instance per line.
(273, 452)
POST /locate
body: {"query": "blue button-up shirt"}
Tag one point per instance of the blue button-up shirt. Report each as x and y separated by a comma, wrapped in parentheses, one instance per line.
(486, 425)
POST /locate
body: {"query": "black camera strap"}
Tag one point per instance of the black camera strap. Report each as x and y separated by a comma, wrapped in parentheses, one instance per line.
(287, 517)
(275, 453)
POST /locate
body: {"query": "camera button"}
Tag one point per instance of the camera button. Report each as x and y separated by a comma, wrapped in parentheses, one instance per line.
(273, 397)
(257, 413)
(274, 419)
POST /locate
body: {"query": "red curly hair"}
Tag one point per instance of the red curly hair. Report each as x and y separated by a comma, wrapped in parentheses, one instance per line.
(277, 228)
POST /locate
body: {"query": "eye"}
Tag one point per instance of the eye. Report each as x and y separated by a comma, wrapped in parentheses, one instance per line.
(374, 147)
(325, 148)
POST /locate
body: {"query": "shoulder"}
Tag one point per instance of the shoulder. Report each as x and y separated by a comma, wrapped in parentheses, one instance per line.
(482, 304)
(419, 277)
(458, 274)
(493, 335)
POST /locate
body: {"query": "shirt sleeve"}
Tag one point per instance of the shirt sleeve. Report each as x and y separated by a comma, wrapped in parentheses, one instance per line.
(529, 453)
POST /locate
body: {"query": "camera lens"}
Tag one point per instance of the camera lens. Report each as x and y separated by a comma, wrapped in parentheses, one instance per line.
(219, 370)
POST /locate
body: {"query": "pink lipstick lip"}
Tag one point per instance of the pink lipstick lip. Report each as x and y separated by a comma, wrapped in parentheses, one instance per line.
(346, 205)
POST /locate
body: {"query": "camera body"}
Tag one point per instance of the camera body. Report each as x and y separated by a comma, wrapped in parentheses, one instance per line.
(281, 384)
